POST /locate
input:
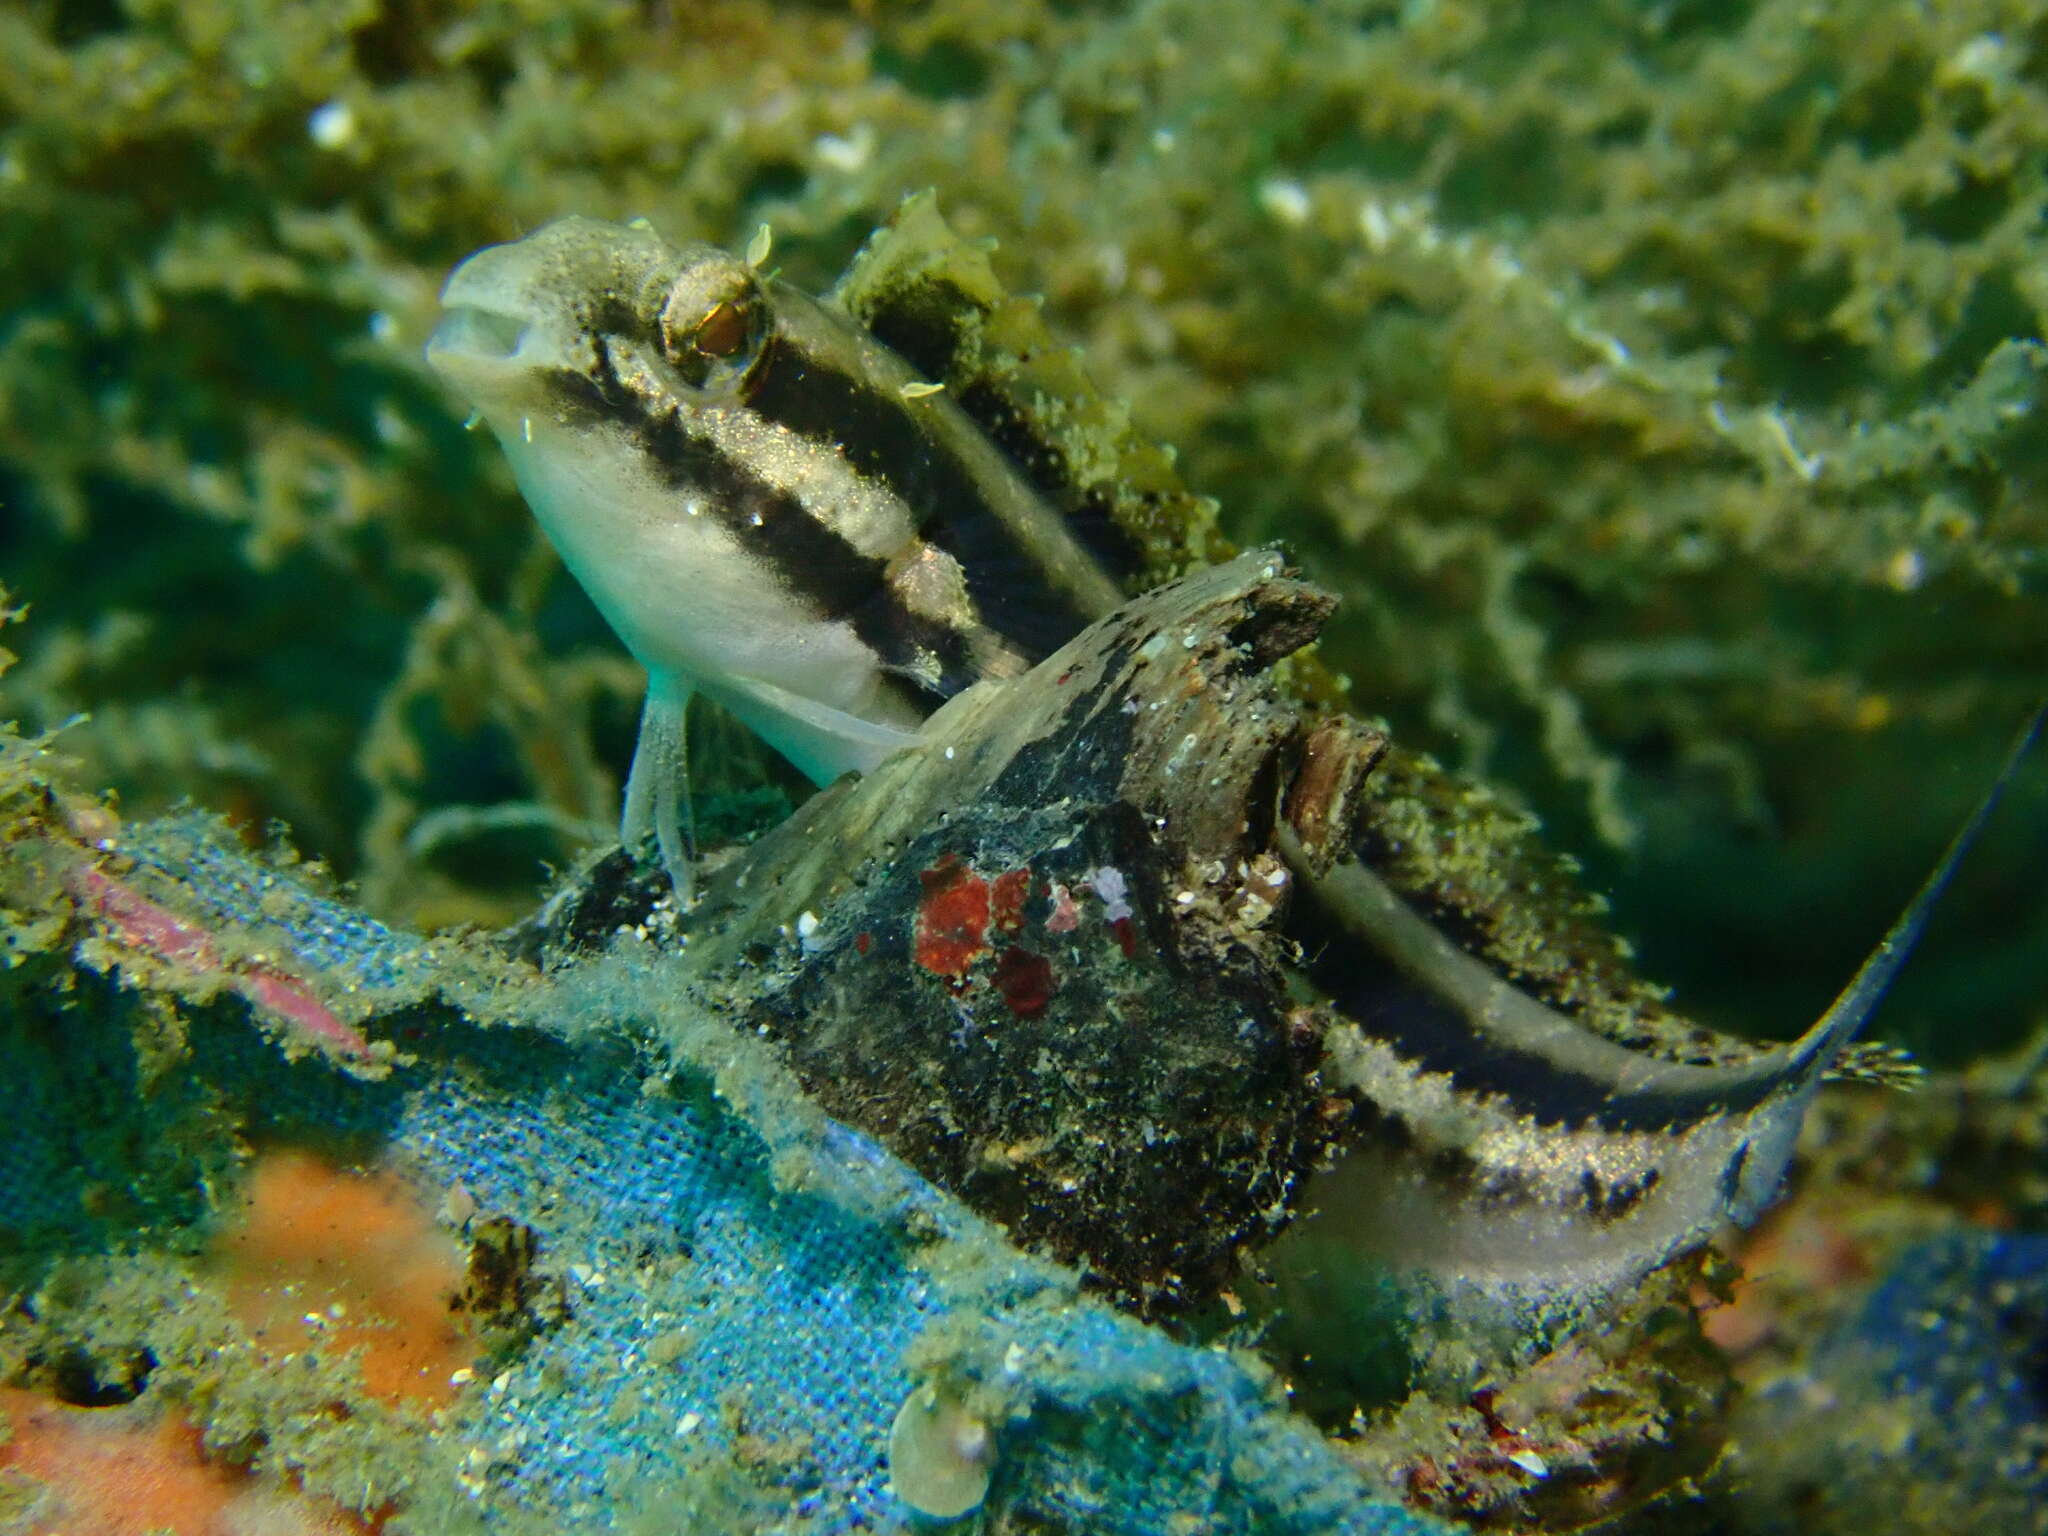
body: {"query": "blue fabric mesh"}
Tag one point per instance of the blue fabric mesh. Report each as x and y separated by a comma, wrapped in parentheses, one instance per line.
(714, 1301)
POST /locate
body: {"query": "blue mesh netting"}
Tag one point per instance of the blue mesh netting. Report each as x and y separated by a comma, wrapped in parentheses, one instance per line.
(746, 1282)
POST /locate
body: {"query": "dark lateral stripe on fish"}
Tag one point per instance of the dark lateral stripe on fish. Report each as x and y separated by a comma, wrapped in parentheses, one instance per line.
(1087, 510)
(809, 559)
(1498, 1040)
(930, 332)
(891, 440)
(925, 327)
(1431, 1036)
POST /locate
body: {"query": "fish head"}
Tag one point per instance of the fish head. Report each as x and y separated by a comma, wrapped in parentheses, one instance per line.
(583, 313)
(619, 372)
(600, 355)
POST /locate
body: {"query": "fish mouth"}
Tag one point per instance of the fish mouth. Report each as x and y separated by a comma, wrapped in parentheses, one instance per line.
(513, 315)
(493, 312)
(474, 333)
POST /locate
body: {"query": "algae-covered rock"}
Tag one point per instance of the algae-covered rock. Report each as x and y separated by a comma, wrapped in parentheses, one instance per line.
(1940, 1364)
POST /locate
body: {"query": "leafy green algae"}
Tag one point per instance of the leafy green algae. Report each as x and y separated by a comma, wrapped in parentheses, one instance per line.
(1660, 386)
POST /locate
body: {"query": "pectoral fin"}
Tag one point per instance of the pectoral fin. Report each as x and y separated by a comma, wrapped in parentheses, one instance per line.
(821, 741)
(658, 787)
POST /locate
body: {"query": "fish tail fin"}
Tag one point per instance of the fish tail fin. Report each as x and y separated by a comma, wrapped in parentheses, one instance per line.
(1816, 1050)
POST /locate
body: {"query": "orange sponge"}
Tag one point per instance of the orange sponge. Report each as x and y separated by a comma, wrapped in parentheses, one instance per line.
(131, 1471)
(329, 1259)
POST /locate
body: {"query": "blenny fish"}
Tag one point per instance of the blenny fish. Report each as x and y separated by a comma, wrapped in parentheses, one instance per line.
(774, 509)
(768, 505)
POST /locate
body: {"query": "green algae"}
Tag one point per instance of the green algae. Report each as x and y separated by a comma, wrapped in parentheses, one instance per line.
(1660, 388)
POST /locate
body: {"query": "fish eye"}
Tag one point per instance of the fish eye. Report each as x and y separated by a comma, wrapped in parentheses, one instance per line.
(710, 337)
(722, 332)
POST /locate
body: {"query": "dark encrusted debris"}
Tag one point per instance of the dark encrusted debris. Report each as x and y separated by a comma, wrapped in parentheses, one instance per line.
(608, 894)
(1100, 1090)
(507, 1293)
(1037, 957)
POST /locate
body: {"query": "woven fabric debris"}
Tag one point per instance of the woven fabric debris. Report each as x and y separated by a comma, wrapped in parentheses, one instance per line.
(744, 1293)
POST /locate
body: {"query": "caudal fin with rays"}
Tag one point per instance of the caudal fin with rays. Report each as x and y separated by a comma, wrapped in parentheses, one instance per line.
(1813, 1052)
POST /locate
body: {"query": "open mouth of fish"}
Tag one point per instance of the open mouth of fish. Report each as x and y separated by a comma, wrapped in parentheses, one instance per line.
(468, 330)
(489, 310)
